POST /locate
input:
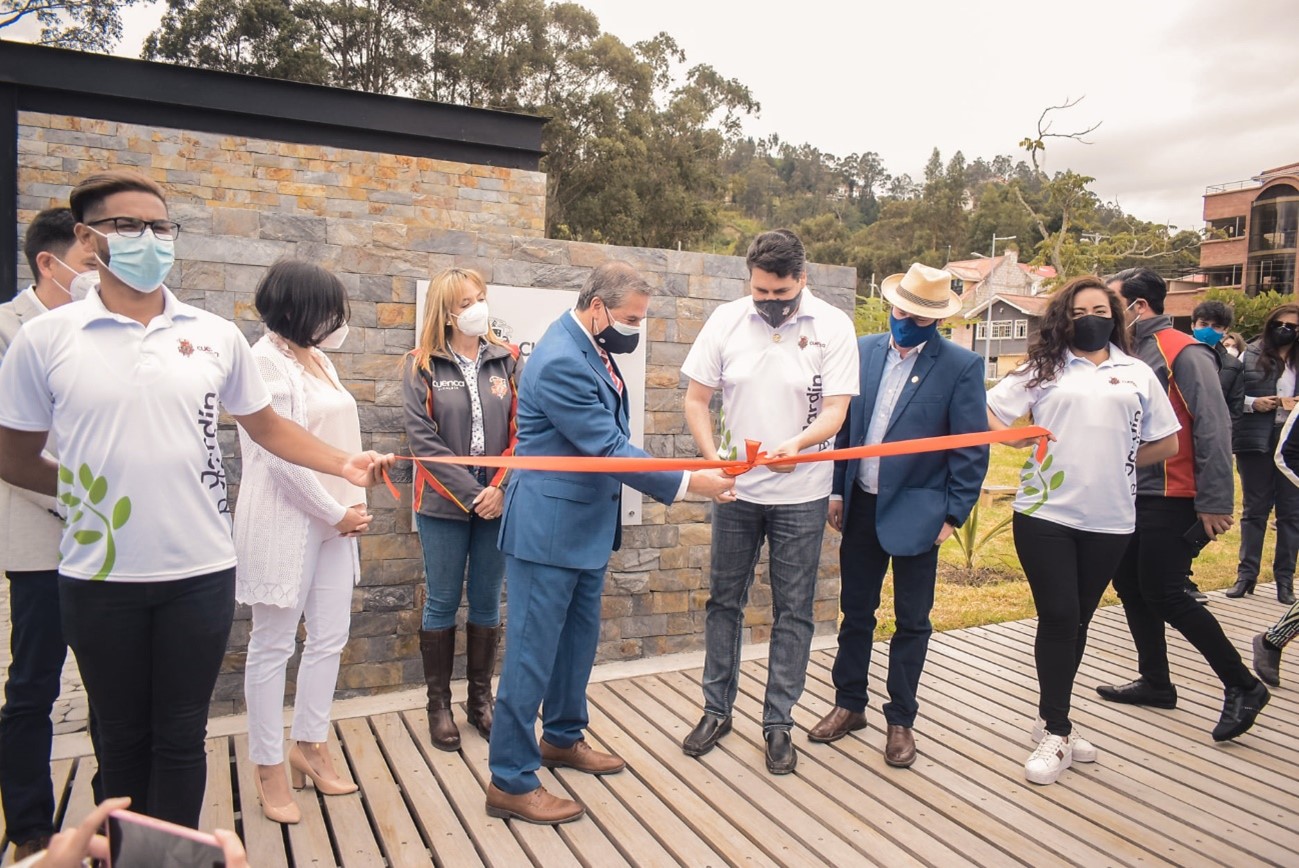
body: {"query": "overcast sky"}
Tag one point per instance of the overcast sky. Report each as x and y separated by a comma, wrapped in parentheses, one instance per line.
(1187, 93)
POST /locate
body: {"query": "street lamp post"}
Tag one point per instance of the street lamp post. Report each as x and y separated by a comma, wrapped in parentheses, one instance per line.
(987, 320)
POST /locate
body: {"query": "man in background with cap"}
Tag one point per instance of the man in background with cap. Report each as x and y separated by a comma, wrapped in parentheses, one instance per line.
(914, 383)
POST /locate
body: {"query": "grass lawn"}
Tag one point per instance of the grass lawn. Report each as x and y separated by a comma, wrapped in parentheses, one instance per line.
(998, 591)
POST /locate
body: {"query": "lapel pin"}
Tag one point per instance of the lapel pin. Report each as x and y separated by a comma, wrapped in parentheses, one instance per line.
(915, 379)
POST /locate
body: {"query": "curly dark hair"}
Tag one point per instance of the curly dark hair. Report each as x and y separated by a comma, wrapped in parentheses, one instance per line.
(1269, 356)
(1055, 332)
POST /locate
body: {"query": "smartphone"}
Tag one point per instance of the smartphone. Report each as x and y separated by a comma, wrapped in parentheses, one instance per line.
(1196, 537)
(137, 841)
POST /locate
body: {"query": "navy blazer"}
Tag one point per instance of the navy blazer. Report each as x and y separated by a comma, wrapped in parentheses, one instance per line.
(568, 406)
(944, 394)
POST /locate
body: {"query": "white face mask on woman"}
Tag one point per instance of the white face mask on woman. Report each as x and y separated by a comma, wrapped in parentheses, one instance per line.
(334, 339)
(474, 321)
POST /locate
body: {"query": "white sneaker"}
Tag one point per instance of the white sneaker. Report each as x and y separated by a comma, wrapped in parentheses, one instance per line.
(1052, 756)
(1083, 750)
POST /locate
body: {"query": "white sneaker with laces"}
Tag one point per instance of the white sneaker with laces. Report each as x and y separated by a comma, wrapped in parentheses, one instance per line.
(1051, 757)
(1083, 750)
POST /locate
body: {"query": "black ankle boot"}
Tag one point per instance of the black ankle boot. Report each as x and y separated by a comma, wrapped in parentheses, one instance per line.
(1285, 591)
(1242, 587)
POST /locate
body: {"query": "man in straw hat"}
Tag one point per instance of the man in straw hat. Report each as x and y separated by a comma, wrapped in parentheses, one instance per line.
(914, 383)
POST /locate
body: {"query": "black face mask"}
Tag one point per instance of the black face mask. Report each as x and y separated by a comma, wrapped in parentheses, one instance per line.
(616, 337)
(1092, 332)
(776, 311)
(1282, 334)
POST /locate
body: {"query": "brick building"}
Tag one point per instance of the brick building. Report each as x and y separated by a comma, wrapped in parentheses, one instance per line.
(384, 191)
(1256, 223)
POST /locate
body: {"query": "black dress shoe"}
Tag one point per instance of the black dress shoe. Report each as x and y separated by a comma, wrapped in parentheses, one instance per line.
(1267, 661)
(706, 734)
(1285, 593)
(1240, 710)
(1140, 692)
(781, 756)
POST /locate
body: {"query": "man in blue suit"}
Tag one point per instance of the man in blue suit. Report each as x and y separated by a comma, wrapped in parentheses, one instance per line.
(557, 532)
(914, 384)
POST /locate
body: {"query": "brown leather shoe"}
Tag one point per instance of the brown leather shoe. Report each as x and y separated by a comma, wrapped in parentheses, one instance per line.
(900, 751)
(538, 807)
(580, 756)
(835, 725)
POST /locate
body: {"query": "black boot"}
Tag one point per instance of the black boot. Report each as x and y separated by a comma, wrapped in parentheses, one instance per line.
(1242, 587)
(481, 663)
(438, 648)
(1285, 591)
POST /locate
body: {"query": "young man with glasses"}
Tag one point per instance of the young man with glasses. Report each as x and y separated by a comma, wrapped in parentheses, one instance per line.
(129, 381)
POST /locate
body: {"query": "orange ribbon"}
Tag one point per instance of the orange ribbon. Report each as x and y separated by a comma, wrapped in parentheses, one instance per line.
(754, 457)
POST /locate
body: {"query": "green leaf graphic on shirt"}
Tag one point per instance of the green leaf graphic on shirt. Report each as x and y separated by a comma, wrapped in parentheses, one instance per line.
(725, 448)
(93, 491)
(1034, 482)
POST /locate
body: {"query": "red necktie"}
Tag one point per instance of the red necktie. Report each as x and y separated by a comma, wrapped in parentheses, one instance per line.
(608, 364)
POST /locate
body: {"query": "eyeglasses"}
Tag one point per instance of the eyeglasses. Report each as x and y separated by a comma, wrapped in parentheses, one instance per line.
(130, 227)
(1285, 326)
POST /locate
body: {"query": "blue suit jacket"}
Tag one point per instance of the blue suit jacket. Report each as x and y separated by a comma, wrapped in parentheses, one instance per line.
(568, 406)
(945, 394)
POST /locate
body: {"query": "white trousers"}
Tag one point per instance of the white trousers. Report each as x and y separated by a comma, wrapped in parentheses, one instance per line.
(325, 598)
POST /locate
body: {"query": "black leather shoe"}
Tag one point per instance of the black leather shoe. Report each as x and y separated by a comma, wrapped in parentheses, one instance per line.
(1242, 587)
(1285, 593)
(1240, 710)
(706, 734)
(1193, 591)
(781, 756)
(1267, 661)
(1139, 692)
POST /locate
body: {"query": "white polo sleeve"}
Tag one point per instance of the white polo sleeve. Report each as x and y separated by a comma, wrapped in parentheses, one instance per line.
(703, 363)
(840, 366)
(1011, 398)
(1158, 419)
(244, 392)
(26, 403)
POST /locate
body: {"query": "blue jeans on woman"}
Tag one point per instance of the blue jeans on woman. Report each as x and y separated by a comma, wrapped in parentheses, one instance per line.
(793, 532)
(449, 546)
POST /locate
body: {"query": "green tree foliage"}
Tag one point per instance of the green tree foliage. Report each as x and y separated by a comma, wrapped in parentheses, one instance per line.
(85, 25)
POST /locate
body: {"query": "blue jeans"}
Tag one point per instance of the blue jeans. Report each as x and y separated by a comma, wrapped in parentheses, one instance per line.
(448, 544)
(550, 644)
(793, 532)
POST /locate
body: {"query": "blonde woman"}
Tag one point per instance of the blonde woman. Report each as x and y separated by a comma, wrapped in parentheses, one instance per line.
(459, 387)
(294, 532)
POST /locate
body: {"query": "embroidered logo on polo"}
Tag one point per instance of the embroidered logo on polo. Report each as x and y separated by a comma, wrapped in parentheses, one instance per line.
(186, 349)
(87, 492)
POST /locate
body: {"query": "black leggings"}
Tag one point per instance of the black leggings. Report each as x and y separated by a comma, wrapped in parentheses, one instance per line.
(1067, 570)
(149, 654)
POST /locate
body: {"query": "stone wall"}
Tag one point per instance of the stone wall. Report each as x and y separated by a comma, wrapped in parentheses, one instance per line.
(381, 223)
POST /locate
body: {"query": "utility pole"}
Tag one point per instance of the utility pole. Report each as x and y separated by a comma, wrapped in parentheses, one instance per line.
(987, 320)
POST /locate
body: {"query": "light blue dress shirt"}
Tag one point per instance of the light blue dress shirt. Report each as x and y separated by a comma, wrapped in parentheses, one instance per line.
(893, 380)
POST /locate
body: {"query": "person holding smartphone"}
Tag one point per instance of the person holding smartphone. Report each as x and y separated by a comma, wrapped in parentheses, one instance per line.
(1076, 508)
(295, 535)
(1269, 399)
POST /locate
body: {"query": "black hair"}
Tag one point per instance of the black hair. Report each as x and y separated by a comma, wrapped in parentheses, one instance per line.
(1143, 284)
(50, 232)
(301, 302)
(779, 252)
(1215, 312)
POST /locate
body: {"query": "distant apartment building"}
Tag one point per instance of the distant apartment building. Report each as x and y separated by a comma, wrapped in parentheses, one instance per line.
(1253, 224)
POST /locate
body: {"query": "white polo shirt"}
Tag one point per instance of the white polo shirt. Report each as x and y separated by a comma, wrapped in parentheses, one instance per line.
(134, 410)
(773, 382)
(1100, 415)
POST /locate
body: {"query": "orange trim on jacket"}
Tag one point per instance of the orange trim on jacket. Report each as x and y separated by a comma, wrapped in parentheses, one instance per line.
(1179, 471)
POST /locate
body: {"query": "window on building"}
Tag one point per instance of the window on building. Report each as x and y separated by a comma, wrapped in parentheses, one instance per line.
(1002, 329)
(1021, 329)
(1230, 227)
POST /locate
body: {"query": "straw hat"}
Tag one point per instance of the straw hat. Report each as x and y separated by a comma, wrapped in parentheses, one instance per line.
(923, 291)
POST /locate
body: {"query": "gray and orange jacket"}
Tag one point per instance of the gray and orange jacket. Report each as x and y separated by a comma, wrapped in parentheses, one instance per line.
(439, 420)
(1188, 370)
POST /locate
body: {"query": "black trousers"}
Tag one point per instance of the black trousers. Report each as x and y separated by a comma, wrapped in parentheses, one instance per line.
(1150, 581)
(1068, 571)
(1263, 486)
(862, 565)
(149, 654)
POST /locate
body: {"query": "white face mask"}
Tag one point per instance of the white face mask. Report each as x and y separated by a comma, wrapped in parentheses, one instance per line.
(474, 321)
(1235, 353)
(334, 339)
(81, 285)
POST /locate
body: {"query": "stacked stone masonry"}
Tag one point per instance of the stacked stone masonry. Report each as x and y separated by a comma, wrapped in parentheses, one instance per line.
(383, 222)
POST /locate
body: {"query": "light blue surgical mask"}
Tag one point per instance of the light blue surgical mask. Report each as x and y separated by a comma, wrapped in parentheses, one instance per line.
(141, 263)
(1207, 335)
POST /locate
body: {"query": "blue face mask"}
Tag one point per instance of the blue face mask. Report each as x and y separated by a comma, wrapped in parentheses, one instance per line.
(141, 263)
(906, 334)
(1207, 335)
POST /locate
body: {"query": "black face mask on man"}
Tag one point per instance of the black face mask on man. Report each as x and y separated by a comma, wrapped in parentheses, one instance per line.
(1092, 332)
(616, 337)
(776, 311)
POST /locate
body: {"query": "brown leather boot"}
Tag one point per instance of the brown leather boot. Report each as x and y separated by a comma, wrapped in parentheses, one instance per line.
(438, 648)
(483, 642)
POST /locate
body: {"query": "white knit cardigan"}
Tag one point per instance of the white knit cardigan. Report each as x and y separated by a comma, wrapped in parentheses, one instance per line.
(277, 499)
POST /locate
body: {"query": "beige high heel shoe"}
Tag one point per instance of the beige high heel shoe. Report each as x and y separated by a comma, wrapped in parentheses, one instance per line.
(302, 770)
(286, 814)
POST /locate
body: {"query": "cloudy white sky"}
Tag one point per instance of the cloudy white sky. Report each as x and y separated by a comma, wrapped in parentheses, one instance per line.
(1188, 93)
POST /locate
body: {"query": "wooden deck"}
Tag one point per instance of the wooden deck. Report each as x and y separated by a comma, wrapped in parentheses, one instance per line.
(1162, 792)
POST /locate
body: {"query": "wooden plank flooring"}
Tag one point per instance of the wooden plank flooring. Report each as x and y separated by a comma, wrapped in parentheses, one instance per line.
(1162, 792)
